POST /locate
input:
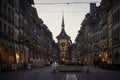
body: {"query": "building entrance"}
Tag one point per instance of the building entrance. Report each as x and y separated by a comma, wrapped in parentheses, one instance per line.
(0, 63)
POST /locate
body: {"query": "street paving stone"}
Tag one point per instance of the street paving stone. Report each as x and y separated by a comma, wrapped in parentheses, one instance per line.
(47, 74)
(70, 76)
(98, 74)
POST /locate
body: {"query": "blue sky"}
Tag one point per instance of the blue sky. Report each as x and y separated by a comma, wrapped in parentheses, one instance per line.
(73, 15)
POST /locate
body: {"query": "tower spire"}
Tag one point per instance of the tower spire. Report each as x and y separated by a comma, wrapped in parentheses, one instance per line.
(63, 25)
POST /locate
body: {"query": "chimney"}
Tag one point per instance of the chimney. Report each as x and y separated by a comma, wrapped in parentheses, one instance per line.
(92, 7)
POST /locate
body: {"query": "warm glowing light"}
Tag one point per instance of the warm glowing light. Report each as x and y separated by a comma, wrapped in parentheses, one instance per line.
(106, 55)
(17, 57)
(103, 59)
(85, 59)
(100, 55)
(73, 59)
(63, 59)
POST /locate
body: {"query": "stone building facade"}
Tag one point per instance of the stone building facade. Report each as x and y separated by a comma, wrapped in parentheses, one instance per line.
(98, 39)
(24, 38)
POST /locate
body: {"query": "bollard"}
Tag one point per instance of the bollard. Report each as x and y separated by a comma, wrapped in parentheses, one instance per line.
(57, 69)
(87, 71)
(54, 70)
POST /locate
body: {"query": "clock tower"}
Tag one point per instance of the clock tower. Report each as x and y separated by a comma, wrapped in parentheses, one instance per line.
(64, 44)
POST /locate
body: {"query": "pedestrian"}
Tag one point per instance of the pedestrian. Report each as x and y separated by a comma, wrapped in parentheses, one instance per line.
(24, 65)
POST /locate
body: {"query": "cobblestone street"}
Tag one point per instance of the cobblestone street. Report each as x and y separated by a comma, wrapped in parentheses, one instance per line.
(98, 74)
(46, 74)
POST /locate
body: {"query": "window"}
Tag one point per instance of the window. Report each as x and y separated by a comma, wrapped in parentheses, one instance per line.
(119, 34)
(0, 26)
(0, 8)
(113, 19)
(4, 28)
(117, 16)
(9, 29)
(9, 14)
(4, 11)
(13, 17)
(116, 36)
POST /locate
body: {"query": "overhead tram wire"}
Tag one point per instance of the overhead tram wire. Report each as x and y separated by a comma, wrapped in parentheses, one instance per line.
(66, 3)
(64, 11)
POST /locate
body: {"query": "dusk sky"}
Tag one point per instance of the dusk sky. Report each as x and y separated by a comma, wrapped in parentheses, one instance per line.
(74, 14)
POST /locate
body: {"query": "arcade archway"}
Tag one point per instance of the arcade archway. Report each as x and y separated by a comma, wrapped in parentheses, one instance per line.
(116, 58)
(3, 54)
(11, 55)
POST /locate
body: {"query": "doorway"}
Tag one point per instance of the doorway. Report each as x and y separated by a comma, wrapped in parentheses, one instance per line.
(116, 58)
(0, 63)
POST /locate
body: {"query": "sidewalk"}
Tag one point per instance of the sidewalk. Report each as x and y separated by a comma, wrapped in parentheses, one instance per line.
(98, 74)
(21, 70)
(98, 68)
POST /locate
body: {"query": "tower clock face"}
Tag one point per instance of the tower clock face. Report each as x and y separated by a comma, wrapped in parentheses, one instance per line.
(63, 44)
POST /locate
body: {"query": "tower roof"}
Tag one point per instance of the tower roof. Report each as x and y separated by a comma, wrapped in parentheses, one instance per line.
(63, 34)
(63, 25)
